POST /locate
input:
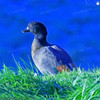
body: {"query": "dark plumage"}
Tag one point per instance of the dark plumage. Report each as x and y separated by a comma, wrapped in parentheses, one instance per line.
(47, 57)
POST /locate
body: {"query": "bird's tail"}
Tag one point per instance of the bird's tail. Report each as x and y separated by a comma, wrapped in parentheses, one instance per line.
(71, 66)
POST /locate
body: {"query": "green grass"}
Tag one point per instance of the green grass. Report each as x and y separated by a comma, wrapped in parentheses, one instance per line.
(75, 85)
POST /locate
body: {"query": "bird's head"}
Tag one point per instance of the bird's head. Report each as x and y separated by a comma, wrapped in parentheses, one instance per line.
(37, 28)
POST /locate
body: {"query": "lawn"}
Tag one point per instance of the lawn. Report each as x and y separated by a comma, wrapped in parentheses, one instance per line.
(26, 85)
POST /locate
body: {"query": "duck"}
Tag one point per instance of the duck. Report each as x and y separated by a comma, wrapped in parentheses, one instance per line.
(48, 58)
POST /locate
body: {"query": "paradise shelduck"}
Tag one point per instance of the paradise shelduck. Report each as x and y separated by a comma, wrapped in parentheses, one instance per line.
(49, 58)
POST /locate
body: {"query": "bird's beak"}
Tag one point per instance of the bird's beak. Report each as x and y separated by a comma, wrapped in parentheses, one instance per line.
(26, 30)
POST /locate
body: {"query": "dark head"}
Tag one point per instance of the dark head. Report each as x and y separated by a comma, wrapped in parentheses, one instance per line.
(37, 28)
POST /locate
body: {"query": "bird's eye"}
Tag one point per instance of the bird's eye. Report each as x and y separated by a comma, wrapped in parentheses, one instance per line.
(27, 27)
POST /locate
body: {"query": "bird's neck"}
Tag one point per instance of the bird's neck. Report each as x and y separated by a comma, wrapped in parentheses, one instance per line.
(37, 44)
(40, 42)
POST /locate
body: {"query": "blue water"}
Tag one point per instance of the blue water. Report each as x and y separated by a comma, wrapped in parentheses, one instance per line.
(72, 24)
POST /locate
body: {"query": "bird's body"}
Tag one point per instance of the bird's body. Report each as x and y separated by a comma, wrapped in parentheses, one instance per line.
(48, 58)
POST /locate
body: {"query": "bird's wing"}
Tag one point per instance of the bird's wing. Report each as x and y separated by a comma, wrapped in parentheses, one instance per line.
(67, 61)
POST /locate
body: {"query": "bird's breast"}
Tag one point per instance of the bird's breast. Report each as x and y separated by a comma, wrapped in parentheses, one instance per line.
(35, 47)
